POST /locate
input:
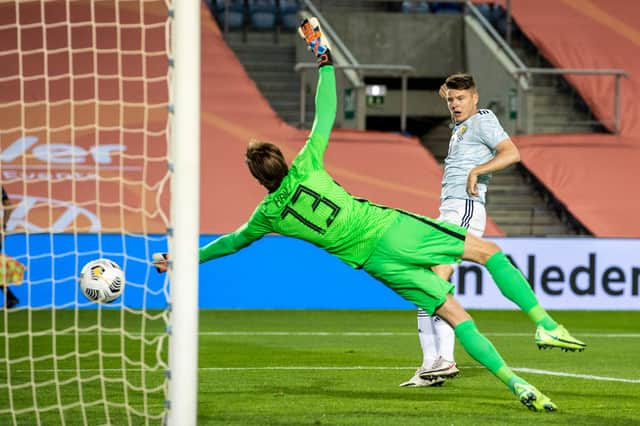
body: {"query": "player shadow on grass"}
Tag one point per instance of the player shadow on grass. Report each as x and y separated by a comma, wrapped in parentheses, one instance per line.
(434, 393)
(329, 388)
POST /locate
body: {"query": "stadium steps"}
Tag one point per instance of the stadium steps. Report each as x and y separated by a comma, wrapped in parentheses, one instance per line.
(270, 65)
(558, 108)
(513, 203)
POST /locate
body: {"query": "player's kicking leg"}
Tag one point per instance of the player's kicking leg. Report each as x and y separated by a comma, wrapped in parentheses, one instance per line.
(483, 351)
(514, 286)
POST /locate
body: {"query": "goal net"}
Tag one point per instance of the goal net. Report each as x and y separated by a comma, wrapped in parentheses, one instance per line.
(84, 135)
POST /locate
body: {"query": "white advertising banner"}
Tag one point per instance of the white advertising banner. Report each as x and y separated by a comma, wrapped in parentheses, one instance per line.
(565, 273)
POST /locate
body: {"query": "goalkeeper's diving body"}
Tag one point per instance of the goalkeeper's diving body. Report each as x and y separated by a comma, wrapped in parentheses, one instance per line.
(396, 247)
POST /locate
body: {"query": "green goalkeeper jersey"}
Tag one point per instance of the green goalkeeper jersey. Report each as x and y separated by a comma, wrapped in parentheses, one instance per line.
(309, 204)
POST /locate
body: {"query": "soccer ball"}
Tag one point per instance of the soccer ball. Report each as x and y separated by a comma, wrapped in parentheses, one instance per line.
(102, 280)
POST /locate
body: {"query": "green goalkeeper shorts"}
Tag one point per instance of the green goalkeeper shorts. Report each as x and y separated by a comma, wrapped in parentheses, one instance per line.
(403, 258)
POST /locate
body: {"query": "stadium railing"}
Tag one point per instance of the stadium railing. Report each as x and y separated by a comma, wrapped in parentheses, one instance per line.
(528, 73)
(354, 71)
(404, 71)
(524, 76)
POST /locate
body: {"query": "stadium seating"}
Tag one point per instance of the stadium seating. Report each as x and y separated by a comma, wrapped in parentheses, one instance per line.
(236, 13)
(415, 7)
(495, 14)
(289, 14)
(262, 14)
(447, 7)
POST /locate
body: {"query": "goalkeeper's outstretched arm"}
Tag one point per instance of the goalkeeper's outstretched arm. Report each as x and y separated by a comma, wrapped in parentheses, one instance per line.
(326, 101)
(222, 246)
(255, 228)
(326, 105)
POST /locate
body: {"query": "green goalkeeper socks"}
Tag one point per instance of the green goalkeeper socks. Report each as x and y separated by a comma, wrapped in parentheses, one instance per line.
(516, 288)
(483, 351)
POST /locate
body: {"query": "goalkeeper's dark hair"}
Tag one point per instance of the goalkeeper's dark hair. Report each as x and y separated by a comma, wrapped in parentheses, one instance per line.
(460, 82)
(266, 163)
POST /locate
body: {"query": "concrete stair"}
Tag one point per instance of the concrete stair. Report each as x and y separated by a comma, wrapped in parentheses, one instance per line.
(558, 108)
(513, 203)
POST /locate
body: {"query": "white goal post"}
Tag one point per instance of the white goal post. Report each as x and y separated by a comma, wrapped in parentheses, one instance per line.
(185, 214)
(100, 158)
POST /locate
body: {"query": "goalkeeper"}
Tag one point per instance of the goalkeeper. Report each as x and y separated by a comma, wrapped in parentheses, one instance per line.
(396, 247)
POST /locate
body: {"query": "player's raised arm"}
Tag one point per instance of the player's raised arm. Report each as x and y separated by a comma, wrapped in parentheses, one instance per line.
(326, 101)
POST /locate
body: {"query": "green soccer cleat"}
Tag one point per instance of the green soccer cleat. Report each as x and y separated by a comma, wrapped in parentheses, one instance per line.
(533, 398)
(558, 338)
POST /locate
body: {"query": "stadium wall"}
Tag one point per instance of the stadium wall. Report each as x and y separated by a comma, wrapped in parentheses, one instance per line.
(493, 72)
(283, 273)
(433, 44)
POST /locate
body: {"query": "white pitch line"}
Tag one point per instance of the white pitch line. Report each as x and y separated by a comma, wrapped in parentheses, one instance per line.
(524, 370)
(577, 376)
(346, 368)
(385, 333)
(330, 333)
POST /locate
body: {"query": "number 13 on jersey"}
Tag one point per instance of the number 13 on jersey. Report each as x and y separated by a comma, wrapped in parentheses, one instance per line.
(311, 209)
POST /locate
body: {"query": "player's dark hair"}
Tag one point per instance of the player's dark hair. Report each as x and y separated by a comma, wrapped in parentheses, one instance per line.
(266, 163)
(460, 82)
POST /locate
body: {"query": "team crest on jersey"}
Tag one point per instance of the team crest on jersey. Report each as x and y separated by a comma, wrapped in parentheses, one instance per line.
(460, 133)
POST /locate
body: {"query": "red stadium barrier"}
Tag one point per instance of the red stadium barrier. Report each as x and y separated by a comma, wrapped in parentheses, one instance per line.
(592, 174)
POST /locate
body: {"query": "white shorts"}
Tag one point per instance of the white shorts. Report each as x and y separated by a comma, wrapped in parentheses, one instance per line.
(466, 213)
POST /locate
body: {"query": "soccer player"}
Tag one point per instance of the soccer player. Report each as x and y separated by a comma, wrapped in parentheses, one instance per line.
(478, 147)
(7, 208)
(396, 247)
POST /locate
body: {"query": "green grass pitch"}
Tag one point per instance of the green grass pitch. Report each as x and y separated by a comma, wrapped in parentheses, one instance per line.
(330, 368)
